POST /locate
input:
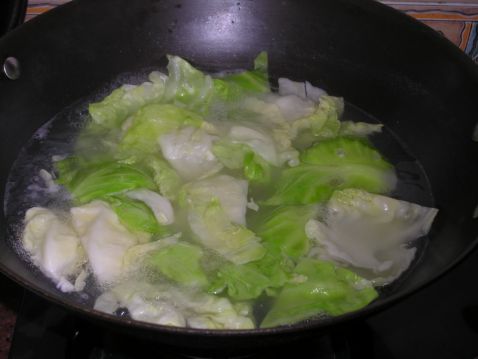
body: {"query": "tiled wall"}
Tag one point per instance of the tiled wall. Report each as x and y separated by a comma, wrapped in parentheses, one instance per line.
(457, 20)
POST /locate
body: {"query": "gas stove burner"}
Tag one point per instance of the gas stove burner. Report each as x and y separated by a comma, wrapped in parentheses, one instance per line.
(47, 331)
(323, 349)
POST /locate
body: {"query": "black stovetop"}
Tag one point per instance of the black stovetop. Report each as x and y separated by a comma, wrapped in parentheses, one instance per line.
(439, 322)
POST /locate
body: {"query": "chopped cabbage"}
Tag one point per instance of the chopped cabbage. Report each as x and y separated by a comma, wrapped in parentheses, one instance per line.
(304, 90)
(104, 239)
(165, 178)
(216, 215)
(327, 289)
(284, 228)
(143, 302)
(229, 191)
(280, 115)
(161, 207)
(167, 305)
(256, 169)
(307, 184)
(265, 147)
(259, 142)
(135, 215)
(187, 86)
(181, 263)
(241, 156)
(99, 179)
(324, 122)
(261, 110)
(215, 230)
(158, 182)
(126, 100)
(135, 259)
(189, 151)
(359, 129)
(243, 282)
(55, 248)
(371, 233)
(344, 151)
(150, 123)
(255, 81)
(251, 280)
(291, 107)
(231, 155)
(330, 165)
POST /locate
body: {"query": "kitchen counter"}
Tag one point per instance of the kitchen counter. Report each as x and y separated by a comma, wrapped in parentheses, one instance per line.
(457, 20)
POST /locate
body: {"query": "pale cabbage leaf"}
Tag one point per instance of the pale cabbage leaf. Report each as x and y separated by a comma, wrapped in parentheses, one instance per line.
(370, 233)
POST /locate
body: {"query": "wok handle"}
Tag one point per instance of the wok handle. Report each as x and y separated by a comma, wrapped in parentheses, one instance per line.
(11, 68)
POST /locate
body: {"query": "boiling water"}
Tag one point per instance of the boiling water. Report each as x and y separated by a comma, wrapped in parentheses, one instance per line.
(26, 187)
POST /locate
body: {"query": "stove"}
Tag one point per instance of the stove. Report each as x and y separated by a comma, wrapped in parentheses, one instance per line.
(439, 322)
(47, 331)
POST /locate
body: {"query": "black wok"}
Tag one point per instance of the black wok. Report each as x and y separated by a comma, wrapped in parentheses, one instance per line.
(416, 82)
(12, 14)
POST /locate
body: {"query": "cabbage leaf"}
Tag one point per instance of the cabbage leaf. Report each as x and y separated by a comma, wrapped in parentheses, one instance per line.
(189, 87)
(89, 181)
(284, 228)
(241, 156)
(251, 280)
(359, 129)
(370, 233)
(104, 239)
(160, 206)
(167, 305)
(216, 210)
(189, 152)
(325, 289)
(55, 248)
(324, 122)
(111, 112)
(165, 177)
(181, 263)
(304, 90)
(344, 151)
(229, 191)
(253, 81)
(135, 215)
(215, 230)
(331, 165)
(152, 121)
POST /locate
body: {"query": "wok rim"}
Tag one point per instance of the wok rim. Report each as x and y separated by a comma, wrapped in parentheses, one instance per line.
(17, 14)
(312, 324)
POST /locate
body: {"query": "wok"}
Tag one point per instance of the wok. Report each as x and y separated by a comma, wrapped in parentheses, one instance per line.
(398, 70)
(12, 14)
